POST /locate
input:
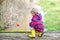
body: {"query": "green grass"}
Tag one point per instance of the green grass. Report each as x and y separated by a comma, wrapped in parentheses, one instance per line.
(52, 18)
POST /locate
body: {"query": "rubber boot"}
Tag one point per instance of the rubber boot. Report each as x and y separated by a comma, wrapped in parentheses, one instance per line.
(32, 34)
(40, 34)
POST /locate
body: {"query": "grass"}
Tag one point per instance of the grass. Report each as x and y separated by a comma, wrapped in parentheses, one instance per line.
(52, 18)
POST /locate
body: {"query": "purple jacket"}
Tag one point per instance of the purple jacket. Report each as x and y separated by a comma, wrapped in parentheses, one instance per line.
(37, 23)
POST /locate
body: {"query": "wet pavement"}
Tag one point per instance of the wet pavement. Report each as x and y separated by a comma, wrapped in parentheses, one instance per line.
(23, 36)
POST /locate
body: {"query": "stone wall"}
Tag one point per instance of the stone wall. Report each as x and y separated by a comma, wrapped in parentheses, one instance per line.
(16, 12)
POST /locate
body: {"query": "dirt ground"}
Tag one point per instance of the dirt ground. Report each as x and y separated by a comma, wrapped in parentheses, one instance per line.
(23, 36)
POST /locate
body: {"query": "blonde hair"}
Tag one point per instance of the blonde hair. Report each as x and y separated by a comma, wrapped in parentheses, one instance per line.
(34, 10)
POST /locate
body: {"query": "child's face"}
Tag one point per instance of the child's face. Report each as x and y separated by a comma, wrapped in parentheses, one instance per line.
(33, 13)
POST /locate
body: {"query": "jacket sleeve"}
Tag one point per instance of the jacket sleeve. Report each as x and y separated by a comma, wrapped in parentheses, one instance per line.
(37, 18)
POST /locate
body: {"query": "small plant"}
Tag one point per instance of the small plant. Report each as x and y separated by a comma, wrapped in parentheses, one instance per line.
(2, 28)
